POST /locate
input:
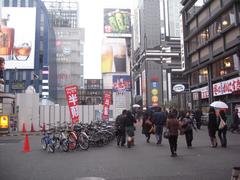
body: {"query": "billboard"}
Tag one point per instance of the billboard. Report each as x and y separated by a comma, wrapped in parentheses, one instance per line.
(17, 38)
(121, 83)
(117, 22)
(113, 55)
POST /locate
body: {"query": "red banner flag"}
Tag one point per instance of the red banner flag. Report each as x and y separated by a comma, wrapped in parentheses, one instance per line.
(72, 98)
(106, 105)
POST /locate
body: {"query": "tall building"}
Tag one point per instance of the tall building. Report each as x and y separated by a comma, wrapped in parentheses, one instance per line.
(68, 67)
(26, 45)
(211, 47)
(156, 58)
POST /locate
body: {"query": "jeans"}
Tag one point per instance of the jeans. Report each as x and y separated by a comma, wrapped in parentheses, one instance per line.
(189, 137)
(222, 136)
(173, 143)
(158, 134)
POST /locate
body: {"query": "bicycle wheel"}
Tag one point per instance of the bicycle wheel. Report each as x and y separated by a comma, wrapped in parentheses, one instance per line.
(43, 143)
(50, 148)
(72, 141)
(83, 141)
(64, 145)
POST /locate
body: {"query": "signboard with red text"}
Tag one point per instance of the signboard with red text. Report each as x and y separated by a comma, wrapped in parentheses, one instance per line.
(72, 99)
(106, 105)
(226, 87)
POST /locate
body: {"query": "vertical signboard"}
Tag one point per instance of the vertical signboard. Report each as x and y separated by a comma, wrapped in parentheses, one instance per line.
(72, 99)
(106, 105)
(144, 91)
(155, 90)
(17, 40)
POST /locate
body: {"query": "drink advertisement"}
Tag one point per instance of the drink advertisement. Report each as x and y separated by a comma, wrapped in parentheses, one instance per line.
(117, 22)
(17, 37)
(114, 55)
(121, 83)
(72, 99)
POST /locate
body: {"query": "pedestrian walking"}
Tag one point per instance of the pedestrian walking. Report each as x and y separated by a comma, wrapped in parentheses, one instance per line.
(173, 127)
(159, 120)
(120, 127)
(187, 126)
(197, 115)
(236, 119)
(212, 126)
(129, 125)
(147, 124)
(222, 129)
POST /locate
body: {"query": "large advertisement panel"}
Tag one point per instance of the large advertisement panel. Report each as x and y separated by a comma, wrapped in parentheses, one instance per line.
(114, 55)
(121, 83)
(17, 37)
(117, 22)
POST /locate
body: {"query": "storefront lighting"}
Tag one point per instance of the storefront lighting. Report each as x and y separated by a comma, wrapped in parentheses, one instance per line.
(227, 64)
(225, 23)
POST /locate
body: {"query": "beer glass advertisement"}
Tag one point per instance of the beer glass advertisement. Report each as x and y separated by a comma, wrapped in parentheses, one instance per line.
(114, 55)
(121, 83)
(117, 22)
(17, 37)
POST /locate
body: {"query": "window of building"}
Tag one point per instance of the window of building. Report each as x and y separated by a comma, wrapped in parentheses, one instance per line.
(215, 5)
(14, 3)
(203, 37)
(7, 75)
(228, 19)
(23, 3)
(194, 58)
(30, 3)
(194, 78)
(193, 44)
(196, 7)
(215, 28)
(225, 66)
(203, 75)
(7, 88)
(6, 3)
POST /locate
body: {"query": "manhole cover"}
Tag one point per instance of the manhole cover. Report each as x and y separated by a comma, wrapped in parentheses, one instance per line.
(90, 178)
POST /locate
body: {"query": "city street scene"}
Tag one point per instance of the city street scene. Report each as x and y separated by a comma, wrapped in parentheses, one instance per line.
(120, 89)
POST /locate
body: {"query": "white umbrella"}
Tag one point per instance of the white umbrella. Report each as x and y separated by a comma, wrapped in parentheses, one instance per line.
(136, 106)
(219, 104)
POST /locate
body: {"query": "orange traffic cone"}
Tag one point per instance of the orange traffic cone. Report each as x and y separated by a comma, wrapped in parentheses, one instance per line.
(24, 128)
(26, 147)
(32, 129)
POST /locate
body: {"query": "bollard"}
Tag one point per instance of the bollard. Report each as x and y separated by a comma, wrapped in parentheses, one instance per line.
(235, 173)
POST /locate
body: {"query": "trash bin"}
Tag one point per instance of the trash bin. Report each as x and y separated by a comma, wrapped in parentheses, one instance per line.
(235, 173)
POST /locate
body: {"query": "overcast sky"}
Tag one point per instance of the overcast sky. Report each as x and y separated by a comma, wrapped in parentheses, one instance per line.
(91, 18)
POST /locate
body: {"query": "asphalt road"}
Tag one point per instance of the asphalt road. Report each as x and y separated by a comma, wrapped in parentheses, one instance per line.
(142, 162)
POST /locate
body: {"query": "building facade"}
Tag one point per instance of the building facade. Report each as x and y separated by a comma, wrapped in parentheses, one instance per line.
(156, 54)
(69, 65)
(211, 47)
(27, 47)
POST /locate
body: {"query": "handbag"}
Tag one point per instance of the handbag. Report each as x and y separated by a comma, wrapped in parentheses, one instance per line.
(166, 134)
(222, 124)
(152, 130)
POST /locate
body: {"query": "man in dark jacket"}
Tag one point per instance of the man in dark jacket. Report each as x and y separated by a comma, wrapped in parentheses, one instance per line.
(159, 119)
(197, 115)
(120, 127)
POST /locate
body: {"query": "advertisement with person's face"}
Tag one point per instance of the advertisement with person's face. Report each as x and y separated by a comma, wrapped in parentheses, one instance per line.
(121, 83)
(114, 55)
(117, 22)
(17, 37)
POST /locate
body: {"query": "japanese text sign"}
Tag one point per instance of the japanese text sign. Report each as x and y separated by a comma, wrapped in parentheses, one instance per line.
(72, 99)
(106, 105)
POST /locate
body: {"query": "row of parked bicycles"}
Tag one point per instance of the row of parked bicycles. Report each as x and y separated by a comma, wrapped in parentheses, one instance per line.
(65, 136)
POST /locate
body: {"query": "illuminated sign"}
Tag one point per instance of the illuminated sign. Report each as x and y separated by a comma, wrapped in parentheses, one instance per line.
(4, 122)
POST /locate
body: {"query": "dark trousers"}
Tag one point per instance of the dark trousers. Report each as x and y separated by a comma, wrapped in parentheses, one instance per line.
(222, 136)
(173, 143)
(121, 137)
(189, 137)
